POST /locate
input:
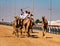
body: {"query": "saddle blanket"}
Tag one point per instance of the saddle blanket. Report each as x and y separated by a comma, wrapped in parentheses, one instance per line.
(26, 21)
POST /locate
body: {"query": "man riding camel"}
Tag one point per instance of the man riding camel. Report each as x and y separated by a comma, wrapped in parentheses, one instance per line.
(26, 15)
(23, 15)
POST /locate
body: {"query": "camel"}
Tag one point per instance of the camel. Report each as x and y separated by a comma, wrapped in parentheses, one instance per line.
(28, 26)
(44, 25)
(16, 26)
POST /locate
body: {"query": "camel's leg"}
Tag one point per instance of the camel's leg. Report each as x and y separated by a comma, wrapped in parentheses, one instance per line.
(21, 31)
(14, 32)
(43, 32)
(31, 29)
(17, 32)
(28, 32)
(27, 29)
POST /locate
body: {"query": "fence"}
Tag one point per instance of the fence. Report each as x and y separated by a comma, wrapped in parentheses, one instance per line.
(51, 28)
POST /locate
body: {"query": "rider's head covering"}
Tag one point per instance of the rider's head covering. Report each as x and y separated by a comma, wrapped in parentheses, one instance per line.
(21, 9)
(26, 11)
(31, 14)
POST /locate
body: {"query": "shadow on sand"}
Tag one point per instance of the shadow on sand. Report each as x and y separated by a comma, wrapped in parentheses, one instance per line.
(35, 32)
(22, 36)
(7, 36)
(34, 36)
(49, 37)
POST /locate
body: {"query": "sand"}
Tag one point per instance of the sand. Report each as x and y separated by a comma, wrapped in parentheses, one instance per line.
(36, 39)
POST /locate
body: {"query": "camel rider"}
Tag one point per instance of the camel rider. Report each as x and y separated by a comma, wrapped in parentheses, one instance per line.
(23, 15)
(27, 16)
(32, 18)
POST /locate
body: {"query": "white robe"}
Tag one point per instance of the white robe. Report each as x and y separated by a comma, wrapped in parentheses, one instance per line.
(23, 16)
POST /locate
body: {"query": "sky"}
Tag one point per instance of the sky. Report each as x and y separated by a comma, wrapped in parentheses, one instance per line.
(39, 8)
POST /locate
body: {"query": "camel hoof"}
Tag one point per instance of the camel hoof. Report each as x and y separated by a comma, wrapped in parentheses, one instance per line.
(17, 36)
(28, 35)
(13, 33)
(43, 34)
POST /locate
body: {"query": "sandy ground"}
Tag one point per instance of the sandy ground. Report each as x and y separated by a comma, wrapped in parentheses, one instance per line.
(36, 39)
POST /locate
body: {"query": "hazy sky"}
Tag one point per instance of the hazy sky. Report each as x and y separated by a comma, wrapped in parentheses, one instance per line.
(10, 8)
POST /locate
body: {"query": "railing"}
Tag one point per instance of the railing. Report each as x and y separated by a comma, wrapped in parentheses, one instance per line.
(54, 29)
(51, 28)
(5, 23)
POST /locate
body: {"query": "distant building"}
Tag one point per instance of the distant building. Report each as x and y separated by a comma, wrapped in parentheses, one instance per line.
(57, 22)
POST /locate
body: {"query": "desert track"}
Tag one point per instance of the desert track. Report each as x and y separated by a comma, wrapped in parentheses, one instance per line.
(36, 39)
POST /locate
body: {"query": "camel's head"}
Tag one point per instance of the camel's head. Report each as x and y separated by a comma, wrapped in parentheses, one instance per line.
(16, 17)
